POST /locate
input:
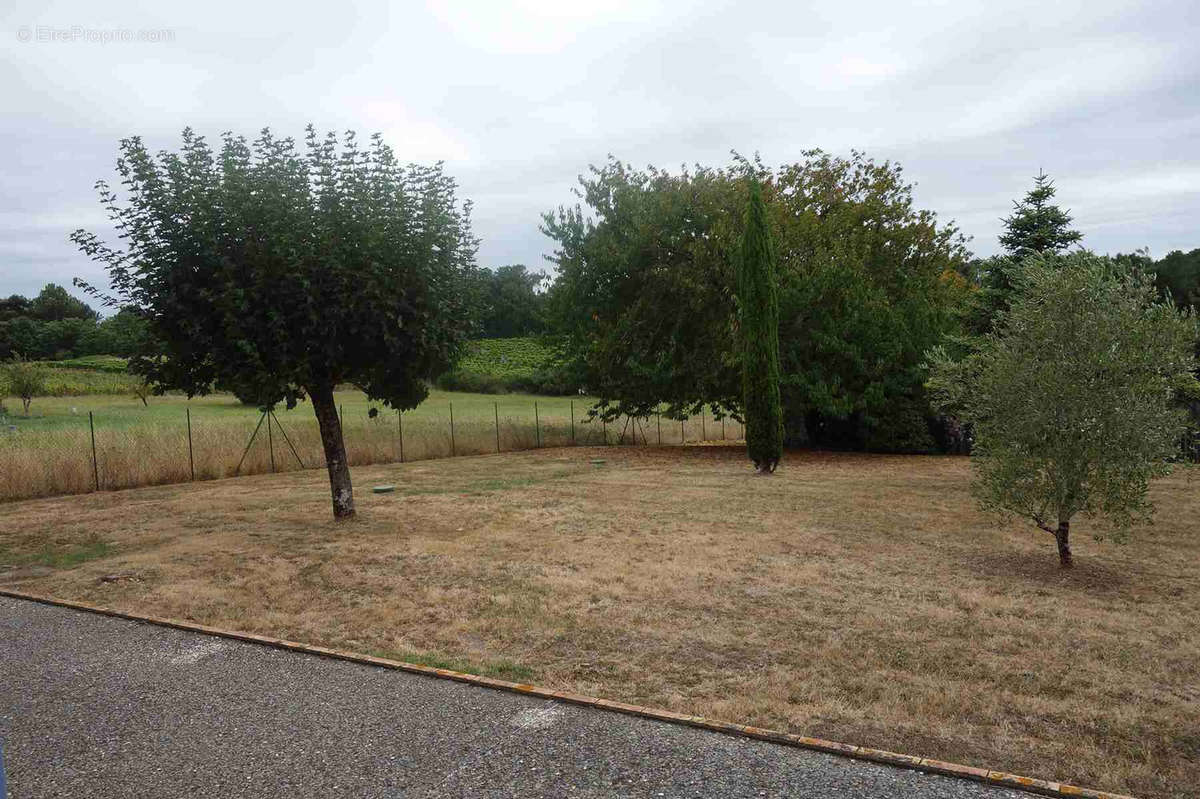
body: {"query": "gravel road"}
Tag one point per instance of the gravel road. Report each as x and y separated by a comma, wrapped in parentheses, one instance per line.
(92, 706)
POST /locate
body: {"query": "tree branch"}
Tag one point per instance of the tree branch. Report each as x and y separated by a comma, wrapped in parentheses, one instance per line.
(1037, 519)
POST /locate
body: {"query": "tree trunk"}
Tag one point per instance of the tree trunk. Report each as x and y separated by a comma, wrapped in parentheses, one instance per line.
(1063, 536)
(335, 451)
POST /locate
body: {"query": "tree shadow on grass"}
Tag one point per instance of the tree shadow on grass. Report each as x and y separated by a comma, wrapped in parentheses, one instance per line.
(1038, 569)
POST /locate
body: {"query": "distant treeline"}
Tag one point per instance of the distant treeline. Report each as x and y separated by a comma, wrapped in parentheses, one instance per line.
(1177, 273)
(54, 325)
(514, 302)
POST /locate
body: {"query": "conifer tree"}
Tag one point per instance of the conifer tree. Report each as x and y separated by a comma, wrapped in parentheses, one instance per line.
(1037, 226)
(758, 307)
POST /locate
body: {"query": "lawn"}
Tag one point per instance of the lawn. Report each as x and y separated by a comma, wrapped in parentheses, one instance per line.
(853, 597)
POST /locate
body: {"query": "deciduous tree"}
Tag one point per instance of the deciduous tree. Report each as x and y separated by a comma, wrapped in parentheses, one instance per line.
(514, 298)
(284, 271)
(1178, 273)
(867, 283)
(54, 304)
(25, 380)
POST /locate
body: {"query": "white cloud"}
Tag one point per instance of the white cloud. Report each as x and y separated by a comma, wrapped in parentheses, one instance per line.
(413, 137)
(972, 96)
(532, 27)
(57, 219)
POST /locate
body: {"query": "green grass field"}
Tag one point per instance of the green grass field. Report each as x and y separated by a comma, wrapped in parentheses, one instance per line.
(118, 411)
(50, 451)
(492, 366)
(93, 363)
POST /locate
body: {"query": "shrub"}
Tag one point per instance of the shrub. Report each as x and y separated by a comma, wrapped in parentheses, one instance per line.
(905, 427)
(474, 382)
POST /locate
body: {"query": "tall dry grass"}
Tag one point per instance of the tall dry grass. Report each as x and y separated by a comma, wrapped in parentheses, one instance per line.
(60, 461)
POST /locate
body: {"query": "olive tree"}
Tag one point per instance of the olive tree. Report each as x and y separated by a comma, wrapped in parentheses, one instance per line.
(1072, 396)
(282, 271)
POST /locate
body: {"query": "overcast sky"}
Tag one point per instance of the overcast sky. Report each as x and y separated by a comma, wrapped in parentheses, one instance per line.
(971, 97)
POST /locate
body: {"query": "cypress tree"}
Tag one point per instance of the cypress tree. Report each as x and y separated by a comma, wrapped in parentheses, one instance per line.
(758, 308)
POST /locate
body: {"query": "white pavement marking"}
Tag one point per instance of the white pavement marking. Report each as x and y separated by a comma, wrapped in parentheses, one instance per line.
(196, 652)
(536, 718)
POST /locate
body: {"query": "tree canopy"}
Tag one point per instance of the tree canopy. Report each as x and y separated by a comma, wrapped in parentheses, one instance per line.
(282, 271)
(52, 324)
(1072, 395)
(54, 304)
(514, 301)
(867, 283)
(1178, 274)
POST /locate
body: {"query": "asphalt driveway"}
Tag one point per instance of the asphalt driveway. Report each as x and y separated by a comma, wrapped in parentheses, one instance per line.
(92, 706)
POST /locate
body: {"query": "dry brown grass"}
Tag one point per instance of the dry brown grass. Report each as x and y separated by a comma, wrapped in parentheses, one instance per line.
(853, 597)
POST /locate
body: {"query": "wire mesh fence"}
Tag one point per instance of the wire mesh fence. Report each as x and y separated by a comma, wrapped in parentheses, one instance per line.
(1189, 447)
(90, 452)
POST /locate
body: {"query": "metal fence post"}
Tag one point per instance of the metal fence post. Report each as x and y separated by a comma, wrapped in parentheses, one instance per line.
(452, 447)
(722, 428)
(658, 421)
(286, 439)
(250, 443)
(270, 442)
(604, 424)
(496, 409)
(537, 427)
(682, 435)
(400, 430)
(703, 428)
(191, 457)
(572, 421)
(95, 464)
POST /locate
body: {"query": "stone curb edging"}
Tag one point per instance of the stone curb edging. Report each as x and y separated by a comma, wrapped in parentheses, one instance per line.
(997, 778)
